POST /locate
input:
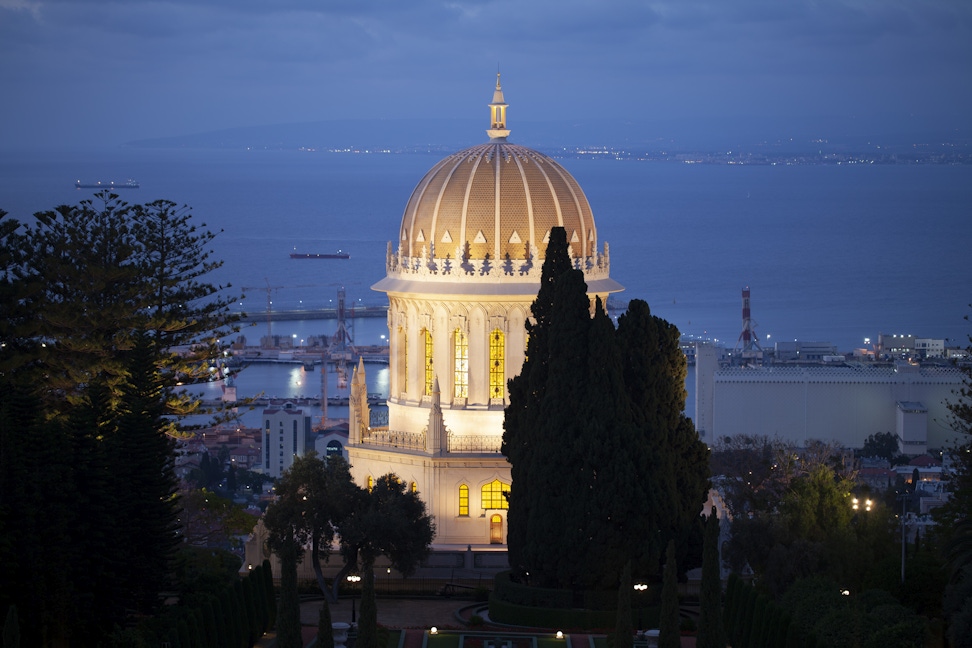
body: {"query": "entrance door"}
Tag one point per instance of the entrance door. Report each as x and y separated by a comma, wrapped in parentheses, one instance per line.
(496, 529)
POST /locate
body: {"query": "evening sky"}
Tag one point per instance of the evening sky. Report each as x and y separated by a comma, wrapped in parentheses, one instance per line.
(86, 72)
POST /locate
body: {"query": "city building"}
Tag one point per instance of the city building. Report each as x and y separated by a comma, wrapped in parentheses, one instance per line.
(286, 430)
(831, 403)
(460, 280)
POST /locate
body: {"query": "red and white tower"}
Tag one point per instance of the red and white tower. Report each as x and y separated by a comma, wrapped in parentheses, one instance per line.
(748, 338)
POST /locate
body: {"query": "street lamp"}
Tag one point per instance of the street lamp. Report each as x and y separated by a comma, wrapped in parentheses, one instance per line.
(640, 587)
(353, 580)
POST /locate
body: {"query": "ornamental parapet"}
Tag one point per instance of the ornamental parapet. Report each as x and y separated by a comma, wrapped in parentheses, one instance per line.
(481, 443)
(455, 266)
(457, 443)
(395, 439)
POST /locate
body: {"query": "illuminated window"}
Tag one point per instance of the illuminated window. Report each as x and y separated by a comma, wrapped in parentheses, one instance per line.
(429, 370)
(413, 487)
(464, 501)
(371, 483)
(460, 378)
(493, 497)
(497, 371)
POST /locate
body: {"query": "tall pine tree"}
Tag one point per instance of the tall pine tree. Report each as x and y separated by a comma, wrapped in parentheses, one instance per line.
(93, 298)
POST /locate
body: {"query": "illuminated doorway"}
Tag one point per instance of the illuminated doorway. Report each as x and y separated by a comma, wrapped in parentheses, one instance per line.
(496, 529)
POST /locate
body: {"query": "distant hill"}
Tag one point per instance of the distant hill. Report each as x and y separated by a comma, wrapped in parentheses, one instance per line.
(452, 134)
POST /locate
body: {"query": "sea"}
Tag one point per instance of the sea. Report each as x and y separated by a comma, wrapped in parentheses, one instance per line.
(830, 252)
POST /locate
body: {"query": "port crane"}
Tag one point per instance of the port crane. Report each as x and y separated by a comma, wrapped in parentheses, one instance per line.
(269, 290)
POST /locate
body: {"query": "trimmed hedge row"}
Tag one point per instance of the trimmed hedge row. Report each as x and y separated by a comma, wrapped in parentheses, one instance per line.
(234, 618)
(537, 607)
(752, 620)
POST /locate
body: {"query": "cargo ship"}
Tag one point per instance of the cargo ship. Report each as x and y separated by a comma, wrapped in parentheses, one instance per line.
(128, 184)
(335, 255)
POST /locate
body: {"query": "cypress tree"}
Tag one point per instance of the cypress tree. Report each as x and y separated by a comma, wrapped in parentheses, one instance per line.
(735, 594)
(288, 619)
(242, 620)
(241, 616)
(184, 637)
(197, 627)
(560, 524)
(252, 622)
(259, 598)
(675, 461)
(580, 404)
(522, 415)
(711, 633)
(772, 638)
(210, 623)
(325, 634)
(732, 597)
(747, 612)
(791, 633)
(368, 611)
(758, 624)
(11, 629)
(669, 634)
(623, 627)
(223, 618)
(271, 594)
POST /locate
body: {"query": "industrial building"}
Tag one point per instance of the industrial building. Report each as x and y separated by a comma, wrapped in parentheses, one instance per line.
(844, 403)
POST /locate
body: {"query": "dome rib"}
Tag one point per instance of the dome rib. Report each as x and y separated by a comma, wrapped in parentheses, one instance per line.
(515, 203)
(531, 235)
(570, 182)
(438, 201)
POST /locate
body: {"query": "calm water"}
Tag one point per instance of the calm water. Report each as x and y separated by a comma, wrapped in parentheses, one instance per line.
(831, 253)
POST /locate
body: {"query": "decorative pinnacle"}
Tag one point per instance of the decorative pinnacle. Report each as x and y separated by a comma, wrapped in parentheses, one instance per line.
(498, 131)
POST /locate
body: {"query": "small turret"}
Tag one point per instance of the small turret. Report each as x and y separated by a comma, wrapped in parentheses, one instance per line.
(498, 131)
(435, 437)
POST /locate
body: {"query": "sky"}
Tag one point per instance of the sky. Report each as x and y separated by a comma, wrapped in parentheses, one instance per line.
(77, 73)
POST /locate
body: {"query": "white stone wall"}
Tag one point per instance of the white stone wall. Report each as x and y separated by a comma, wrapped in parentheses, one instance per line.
(846, 404)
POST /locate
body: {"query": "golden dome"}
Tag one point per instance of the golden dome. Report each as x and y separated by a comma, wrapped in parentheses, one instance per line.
(484, 214)
(496, 199)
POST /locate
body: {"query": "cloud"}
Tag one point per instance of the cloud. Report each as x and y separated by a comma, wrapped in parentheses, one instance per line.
(164, 66)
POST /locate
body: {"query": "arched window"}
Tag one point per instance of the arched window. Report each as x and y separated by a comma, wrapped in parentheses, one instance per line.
(460, 378)
(429, 368)
(493, 497)
(464, 501)
(497, 364)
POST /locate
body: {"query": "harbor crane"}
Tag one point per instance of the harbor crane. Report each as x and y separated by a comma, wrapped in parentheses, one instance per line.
(269, 290)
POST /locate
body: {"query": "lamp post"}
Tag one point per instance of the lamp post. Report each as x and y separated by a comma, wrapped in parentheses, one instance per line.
(640, 587)
(353, 580)
(904, 502)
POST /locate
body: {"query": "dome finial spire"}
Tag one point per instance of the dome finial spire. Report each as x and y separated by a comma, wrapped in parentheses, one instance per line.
(497, 130)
